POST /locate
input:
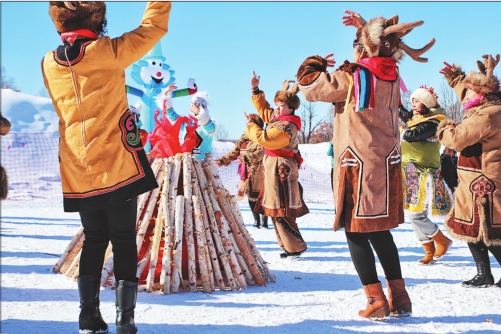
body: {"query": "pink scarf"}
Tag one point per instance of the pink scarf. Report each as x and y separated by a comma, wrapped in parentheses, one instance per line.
(472, 103)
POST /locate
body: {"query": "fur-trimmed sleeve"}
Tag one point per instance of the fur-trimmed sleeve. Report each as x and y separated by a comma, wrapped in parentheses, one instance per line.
(327, 87)
(471, 131)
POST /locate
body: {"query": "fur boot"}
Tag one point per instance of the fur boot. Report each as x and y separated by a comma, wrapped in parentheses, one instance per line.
(90, 319)
(442, 245)
(483, 278)
(398, 298)
(377, 304)
(429, 249)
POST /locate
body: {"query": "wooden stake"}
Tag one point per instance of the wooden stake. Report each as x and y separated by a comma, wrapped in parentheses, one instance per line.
(188, 222)
(68, 249)
(222, 255)
(178, 245)
(233, 225)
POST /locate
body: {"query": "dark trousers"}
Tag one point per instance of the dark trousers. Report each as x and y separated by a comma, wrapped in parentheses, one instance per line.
(480, 252)
(118, 225)
(256, 216)
(363, 256)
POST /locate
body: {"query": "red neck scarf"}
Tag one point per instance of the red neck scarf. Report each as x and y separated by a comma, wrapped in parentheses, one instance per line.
(296, 120)
(71, 36)
(383, 68)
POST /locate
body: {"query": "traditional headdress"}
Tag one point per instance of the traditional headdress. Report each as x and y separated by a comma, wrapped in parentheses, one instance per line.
(73, 15)
(484, 82)
(288, 96)
(382, 37)
(427, 96)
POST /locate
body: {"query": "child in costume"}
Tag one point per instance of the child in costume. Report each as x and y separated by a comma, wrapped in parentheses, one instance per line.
(424, 187)
(103, 164)
(476, 214)
(252, 155)
(206, 127)
(367, 170)
(281, 197)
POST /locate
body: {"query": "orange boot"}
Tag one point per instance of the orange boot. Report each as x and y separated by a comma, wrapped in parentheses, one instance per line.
(429, 249)
(443, 245)
(377, 304)
(398, 298)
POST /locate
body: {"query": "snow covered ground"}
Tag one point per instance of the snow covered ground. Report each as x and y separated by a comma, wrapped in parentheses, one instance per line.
(318, 293)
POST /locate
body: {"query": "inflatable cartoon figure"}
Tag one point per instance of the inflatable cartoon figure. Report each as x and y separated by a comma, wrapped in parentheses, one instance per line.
(154, 75)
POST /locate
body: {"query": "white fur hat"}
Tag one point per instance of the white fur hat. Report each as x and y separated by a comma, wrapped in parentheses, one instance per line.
(427, 96)
(200, 99)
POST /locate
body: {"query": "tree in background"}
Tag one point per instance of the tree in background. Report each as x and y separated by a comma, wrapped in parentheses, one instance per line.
(310, 123)
(450, 102)
(221, 132)
(7, 82)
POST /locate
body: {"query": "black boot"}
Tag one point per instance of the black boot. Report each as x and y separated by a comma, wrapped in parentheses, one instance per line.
(257, 223)
(264, 221)
(126, 294)
(498, 284)
(90, 319)
(483, 278)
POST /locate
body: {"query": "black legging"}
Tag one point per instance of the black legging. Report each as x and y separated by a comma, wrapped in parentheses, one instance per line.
(363, 256)
(118, 225)
(480, 252)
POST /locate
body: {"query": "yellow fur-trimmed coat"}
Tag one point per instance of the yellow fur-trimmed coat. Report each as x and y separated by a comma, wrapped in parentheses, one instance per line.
(102, 160)
(281, 195)
(476, 214)
(367, 169)
(252, 154)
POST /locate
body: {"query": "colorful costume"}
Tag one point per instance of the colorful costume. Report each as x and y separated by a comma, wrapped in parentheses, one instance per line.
(206, 129)
(423, 185)
(367, 171)
(103, 164)
(281, 196)
(476, 214)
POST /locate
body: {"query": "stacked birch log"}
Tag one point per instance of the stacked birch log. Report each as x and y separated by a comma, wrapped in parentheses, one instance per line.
(190, 234)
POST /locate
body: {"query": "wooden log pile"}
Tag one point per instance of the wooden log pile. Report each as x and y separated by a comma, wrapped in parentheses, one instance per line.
(190, 234)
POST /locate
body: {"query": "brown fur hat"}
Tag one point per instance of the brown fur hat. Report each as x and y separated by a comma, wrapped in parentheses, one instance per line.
(288, 96)
(73, 15)
(484, 82)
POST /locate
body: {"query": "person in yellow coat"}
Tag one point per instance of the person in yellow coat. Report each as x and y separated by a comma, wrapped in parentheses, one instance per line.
(102, 161)
(281, 197)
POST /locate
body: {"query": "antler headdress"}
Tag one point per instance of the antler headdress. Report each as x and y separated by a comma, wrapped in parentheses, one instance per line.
(383, 37)
(289, 95)
(484, 82)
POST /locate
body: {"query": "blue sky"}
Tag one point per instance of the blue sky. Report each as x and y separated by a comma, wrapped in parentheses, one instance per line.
(221, 43)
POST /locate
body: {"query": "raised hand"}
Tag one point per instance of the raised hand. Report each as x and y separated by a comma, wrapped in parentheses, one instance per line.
(254, 80)
(170, 88)
(447, 69)
(353, 19)
(330, 62)
(247, 118)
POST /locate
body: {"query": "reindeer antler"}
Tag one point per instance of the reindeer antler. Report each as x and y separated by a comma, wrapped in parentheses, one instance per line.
(285, 85)
(71, 5)
(401, 29)
(488, 65)
(414, 54)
